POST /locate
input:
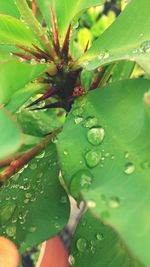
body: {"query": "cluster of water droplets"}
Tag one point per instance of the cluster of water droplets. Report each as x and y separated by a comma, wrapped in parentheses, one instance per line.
(21, 191)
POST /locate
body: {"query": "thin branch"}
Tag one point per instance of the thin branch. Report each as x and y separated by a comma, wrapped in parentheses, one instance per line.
(18, 164)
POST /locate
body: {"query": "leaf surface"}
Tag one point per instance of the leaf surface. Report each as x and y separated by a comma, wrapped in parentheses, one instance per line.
(104, 152)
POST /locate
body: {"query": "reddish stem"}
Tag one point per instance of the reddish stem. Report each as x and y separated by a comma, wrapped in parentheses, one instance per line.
(18, 164)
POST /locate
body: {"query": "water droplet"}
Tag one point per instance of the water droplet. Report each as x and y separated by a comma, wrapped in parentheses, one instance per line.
(78, 111)
(33, 166)
(96, 135)
(103, 55)
(32, 229)
(145, 47)
(57, 225)
(28, 195)
(114, 202)
(81, 244)
(39, 175)
(7, 211)
(92, 158)
(63, 199)
(85, 63)
(43, 61)
(11, 230)
(145, 164)
(78, 120)
(33, 61)
(126, 155)
(100, 236)
(71, 260)
(41, 155)
(91, 204)
(80, 180)
(129, 168)
(90, 122)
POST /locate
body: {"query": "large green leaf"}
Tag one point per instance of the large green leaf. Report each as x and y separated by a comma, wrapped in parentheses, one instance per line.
(104, 152)
(65, 13)
(8, 7)
(15, 75)
(34, 207)
(10, 134)
(95, 244)
(127, 38)
(14, 31)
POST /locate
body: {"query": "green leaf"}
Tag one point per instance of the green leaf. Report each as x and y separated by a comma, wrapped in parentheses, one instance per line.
(65, 13)
(95, 244)
(13, 31)
(122, 70)
(39, 123)
(10, 134)
(14, 75)
(21, 96)
(104, 152)
(34, 207)
(126, 38)
(8, 7)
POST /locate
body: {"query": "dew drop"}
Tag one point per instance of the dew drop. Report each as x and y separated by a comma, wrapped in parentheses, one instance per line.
(11, 230)
(90, 122)
(96, 135)
(78, 111)
(85, 63)
(129, 168)
(43, 61)
(71, 260)
(91, 204)
(114, 202)
(145, 164)
(28, 195)
(145, 47)
(126, 155)
(81, 244)
(63, 199)
(33, 61)
(32, 229)
(41, 155)
(92, 158)
(100, 236)
(78, 120)
(33, 166)
(80, 180)
(103, 55)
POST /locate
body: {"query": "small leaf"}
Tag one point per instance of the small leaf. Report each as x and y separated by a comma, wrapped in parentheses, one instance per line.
(10, 134)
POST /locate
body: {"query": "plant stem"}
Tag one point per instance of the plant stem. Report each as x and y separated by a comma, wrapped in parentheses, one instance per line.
(32, 22)
(18, 164)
